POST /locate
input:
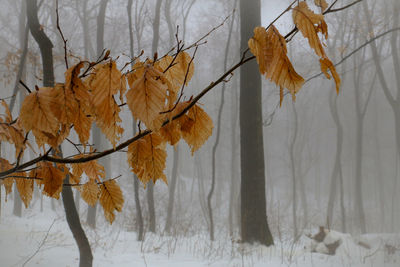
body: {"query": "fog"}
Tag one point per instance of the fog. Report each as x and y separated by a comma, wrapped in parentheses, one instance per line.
(331, 160)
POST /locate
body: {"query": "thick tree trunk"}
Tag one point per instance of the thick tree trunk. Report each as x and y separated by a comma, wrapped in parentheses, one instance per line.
(71, 213)
(254, 225)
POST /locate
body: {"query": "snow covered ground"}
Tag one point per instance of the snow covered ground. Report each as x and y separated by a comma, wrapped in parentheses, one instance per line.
(44, 239)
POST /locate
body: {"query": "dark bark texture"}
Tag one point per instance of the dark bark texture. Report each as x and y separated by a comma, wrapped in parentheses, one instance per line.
(254, 225)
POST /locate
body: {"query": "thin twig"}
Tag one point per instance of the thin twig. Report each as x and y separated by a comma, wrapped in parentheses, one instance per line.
(25, 86)
(330, 10)
(355, 51)
(62, 36)
(184, 83)
(41, 244)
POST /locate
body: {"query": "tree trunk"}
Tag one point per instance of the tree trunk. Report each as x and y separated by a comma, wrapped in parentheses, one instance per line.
(254, 225)
(139, 216)
(233, 204)
(150, 185)
(359, 205)
(98, 139)
(218, 134)
(172, 187)
(293, 170)
(85, 252)
(337, 175)
(72, 216)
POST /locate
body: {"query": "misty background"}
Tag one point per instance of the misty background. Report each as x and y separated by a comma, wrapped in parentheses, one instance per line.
(330, 160)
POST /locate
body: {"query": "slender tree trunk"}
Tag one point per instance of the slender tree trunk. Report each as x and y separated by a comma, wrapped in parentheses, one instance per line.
(172, 187)
(293, 170)
(234, 166)
(85, 252)
(254, 225)
(359, 205)
(71, 213)
(150, 185)
(98, 138)
(337, 175)
(174, 174)
(218, 134)
(139, 216)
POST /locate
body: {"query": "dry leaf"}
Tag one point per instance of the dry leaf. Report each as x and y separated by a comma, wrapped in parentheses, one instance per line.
(322, 4)
(327, 64)
(309, 25)
(147, 158)
(90, 192)
(147, 96)
(197, 129)
(25, 189)
(269, 47)
(111, 199)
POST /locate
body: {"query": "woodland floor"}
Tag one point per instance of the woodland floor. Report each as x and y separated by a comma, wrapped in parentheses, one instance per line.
(28, 241)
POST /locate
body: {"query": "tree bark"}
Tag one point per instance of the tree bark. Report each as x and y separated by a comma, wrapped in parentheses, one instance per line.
(254, 225)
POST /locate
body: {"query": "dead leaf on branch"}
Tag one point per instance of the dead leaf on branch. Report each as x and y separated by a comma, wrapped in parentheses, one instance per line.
(94, 170)
(310, 24)
(90, 192)
(37, 113)
(50, 177)
(322, 4)
(105, 82)
(270, 50)
(147, 158)
(327, 64)
(147, 96)
(12, 132)
(7, 182)
(25, 189)
(197, 128)
(111, 199)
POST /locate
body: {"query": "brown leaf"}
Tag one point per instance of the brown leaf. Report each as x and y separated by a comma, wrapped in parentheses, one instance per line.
(269, 47)
(90, 192)
(106, 81)
(52, 179)
(147, 96)
(111, 199)
(322, 4)
(197, 129)
(147, 158)
(94, 170)
(25, 189)
(7, 182)
(37, 112)
(327, 64)
(309, 25)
